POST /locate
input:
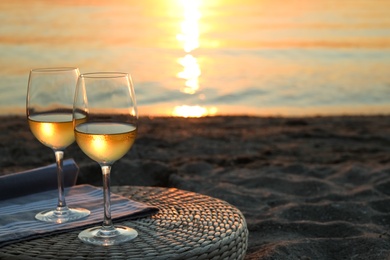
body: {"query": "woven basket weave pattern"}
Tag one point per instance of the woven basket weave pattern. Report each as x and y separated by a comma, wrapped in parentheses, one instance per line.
(187, 226)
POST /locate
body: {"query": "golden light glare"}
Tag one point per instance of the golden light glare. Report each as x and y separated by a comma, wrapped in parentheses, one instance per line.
(98, 143)
(48, 129)
(193, 111)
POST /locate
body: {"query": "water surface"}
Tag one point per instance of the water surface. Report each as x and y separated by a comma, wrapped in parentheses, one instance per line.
(194, 58)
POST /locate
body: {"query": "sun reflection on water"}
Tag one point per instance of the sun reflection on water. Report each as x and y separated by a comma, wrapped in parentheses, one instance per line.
(189, 37)
(190, 26)
(190, 73)
(193, 111)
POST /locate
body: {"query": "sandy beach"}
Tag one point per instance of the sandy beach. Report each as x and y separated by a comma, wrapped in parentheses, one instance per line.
(309, 188)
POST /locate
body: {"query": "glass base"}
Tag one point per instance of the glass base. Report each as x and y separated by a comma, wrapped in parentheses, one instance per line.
(100, 237)
(62, 215)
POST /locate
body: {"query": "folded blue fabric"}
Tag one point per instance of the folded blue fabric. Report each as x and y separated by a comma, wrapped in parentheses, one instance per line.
(37, 180)
(17, 215)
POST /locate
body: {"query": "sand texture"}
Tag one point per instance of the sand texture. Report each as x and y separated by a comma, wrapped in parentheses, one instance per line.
(309, 188)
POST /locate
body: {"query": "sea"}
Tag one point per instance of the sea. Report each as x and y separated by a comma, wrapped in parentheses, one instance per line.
(194, 58)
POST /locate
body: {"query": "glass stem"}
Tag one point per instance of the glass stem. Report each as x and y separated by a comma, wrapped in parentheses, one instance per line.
(107, 222)
(61, 206)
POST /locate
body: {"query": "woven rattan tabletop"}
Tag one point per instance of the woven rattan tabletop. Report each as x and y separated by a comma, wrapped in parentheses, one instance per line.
(188, 226)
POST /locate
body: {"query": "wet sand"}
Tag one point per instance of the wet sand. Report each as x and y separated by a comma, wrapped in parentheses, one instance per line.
(309, 188)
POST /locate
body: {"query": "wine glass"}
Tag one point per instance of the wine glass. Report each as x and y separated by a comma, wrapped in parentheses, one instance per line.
(49, 104)
(105, 124)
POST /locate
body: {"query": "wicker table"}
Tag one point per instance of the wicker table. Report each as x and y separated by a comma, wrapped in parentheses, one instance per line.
(188, 226)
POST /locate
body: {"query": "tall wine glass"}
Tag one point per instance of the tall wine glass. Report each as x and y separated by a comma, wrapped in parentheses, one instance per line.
(49, 113)
(105, 124)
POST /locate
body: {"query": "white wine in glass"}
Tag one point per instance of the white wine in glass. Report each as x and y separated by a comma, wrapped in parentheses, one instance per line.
(105, 125)
(49, 113)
